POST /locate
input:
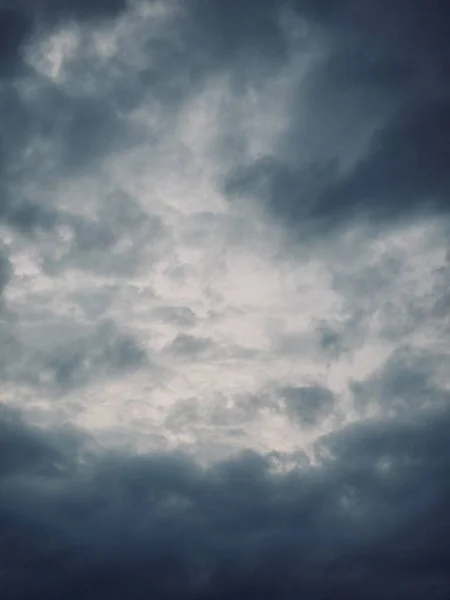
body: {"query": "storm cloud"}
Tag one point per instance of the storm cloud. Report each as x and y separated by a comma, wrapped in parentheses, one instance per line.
(88, 523)
(224, 306)
(377, 139)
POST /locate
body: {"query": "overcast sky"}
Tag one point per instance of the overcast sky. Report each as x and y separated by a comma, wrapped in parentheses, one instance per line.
(224, 299)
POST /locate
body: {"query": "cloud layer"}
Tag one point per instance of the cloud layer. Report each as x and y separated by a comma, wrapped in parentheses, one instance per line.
(224, 307)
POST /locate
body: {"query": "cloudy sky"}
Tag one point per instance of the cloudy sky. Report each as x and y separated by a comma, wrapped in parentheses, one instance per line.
(224, 299)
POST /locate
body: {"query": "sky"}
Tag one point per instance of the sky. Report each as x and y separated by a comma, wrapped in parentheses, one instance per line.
(224, 299)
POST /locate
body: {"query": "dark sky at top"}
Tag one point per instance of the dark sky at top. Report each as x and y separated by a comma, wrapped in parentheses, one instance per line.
(322, 128)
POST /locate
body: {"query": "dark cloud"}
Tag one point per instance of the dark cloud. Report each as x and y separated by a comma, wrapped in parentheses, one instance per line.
(441, 295)
(240, 31)
(94, 303)
(184, 415)
(26, 452)
(367, 138)
(308, 405)
(190, 345)
(89, 128)
(225, 413)
(61, 361)
(109, 242)
(407, 381)
(14, 29)
(181, 316)
(6, 271)
(46, 139)
(57, 131)
(51, 132)
(385, 294)
(381, 92)
(9, 345)
(107, 351)
(405, 170)
(370, 522)
(21, 11)
(337, 339)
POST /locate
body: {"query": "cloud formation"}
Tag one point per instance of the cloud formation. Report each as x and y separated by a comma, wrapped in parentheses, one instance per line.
(95, 525)
(224, 307)
(376, 138)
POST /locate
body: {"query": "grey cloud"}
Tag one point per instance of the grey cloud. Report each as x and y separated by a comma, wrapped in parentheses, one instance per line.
(367, 138)
(341, 338)
(183, 416)
(330, 339)
(234, 412)
(370, 522)
(14, 28)
(291, 344)
(209, 426)
(50, 132)
(20, 19)
(385, 71)
(9, 345)
(199, 347)
(106, 352)
(57, 131)
(190, 345)
(239, 31)
(6, 271)
(94, 303)
(308, 405)
(63, 356)
(441, 295)
(405, 171)
(376, 138)
(90, 128)
(383, 295)
(407, 381)
(25, 452)
(71, 129)
(10, 349)
(52, 10)
(110, 242)
(181, 316)
(231, 414)
(65, 136)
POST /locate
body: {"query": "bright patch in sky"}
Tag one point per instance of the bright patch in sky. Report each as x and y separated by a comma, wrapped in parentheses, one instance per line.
(224, 310)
